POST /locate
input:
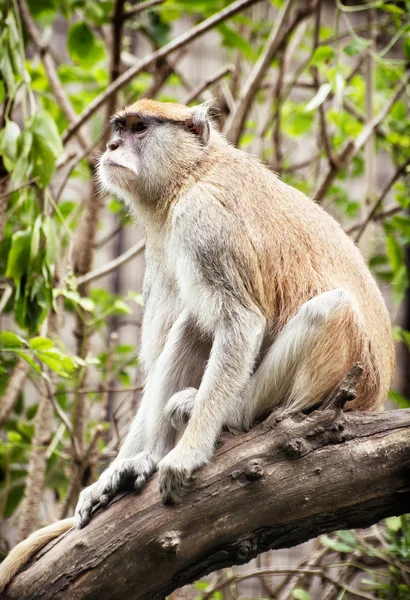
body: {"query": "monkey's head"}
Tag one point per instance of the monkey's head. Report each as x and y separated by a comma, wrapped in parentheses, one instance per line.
(153, 147)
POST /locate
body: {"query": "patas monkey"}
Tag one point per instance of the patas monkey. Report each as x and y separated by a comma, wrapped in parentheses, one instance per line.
(254, 298)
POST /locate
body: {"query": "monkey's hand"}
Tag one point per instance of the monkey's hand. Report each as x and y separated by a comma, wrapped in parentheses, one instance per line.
(120, 475)
(179, 407)
(175, 472)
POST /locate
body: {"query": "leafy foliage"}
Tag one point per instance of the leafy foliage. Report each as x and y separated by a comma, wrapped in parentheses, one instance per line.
(325, 93)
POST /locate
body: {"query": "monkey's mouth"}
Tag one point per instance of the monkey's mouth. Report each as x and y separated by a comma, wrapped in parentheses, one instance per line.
(111, 163)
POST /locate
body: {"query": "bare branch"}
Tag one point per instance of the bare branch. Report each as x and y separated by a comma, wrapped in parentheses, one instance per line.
(117, 25)
(282, 29)
(132, 72)
(193, 95)
(113, 264)
(352, 147)
(13, 388)
(140, 7)
(7, 292)
(361, 226)
(59, 411)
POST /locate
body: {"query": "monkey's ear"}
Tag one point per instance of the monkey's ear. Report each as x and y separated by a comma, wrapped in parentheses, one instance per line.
(198, 123)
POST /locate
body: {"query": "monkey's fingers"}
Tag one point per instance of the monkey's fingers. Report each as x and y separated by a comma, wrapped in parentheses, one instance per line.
(133, 472)
(85, 505)
(173, 483)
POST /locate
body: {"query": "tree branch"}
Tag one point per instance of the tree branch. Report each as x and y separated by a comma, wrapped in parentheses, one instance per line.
(401, 170)
(140, 7)
(282, 29)
(50, 68)
(199, 89)
(132, 72)
(13, 389)
(113, 264)
(281, 484)
(351, 148)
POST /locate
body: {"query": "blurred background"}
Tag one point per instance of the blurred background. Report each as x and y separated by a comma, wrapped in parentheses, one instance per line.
(319, 90)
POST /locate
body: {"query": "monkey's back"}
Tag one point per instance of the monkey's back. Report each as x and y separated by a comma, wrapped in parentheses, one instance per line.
(299, 252)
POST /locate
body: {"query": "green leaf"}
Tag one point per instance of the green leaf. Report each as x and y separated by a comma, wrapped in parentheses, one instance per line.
(300, 594)
(44, 127)
(35, 238)
(356, 46)
(82, 45)
(19, 255)
(43, 161)
(121, 308)
(400, 400)
(41, 343)
(335, 544)
(393, 523)
(22, 168)
(11, 340)
(30, 360)
(232, 39)
(58, 362)
(85, 303)
(51, 242)
(80, 41)
(394, 252)
(9, 137)
(322, 54)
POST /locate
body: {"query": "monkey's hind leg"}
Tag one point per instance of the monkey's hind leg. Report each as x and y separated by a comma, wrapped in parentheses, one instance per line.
(179, 407)
(311, 356)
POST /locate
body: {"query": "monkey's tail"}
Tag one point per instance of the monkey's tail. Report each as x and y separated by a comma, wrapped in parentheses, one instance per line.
(28, 547)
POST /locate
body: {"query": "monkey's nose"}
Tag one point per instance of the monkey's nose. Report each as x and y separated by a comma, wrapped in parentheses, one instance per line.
(113, 145)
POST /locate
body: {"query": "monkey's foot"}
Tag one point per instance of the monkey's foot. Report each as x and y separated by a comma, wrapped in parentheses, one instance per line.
(122, 474)
(179, 407)
(175, 473)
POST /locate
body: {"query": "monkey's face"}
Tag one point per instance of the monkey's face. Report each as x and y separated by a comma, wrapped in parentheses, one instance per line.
(148, 154)
(120, 165)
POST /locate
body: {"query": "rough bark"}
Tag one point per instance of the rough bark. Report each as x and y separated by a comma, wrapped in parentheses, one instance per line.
(276, 486)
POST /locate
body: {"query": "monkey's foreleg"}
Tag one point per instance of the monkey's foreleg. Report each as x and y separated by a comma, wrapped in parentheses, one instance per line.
(236, 343)
(151, 434)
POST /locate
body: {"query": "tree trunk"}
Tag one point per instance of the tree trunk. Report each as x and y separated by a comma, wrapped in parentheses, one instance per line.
(281, 484)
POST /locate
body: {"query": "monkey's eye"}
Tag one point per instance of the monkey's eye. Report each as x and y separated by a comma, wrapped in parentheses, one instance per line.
(139, 127)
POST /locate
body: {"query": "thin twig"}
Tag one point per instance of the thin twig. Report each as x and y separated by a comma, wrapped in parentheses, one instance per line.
(100, 390)
(107, 238)
(7, 292)
(113, 264)
(64, 418)
(113, 341)
(312, 560)
(312, 572)
(277, 127)
(401, 170)
(14, 386)
(199, 89)
(140, 7)
(19, 187)
(280, 31)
